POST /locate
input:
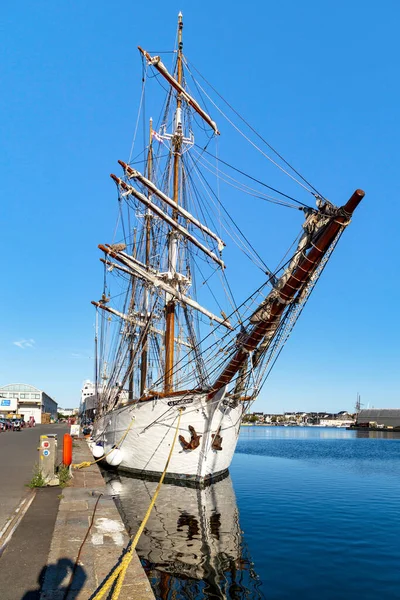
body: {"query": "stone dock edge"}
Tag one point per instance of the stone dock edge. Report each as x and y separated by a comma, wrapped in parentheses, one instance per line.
(103, 547)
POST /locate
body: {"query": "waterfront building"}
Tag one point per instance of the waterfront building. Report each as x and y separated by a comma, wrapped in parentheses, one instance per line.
(27, 401)
(336, 422)
(389, 417)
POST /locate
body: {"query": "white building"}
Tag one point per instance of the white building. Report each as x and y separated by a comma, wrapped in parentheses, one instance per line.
(336, 422)
(27, 401)
(68, 412)
(88, 389)
(88, 393)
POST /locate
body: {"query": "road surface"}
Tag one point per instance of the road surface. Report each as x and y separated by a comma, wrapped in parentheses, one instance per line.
(19, 454)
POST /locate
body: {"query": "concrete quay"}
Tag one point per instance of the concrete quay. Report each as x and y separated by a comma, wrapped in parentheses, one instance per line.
(104, 545)
(41, 556)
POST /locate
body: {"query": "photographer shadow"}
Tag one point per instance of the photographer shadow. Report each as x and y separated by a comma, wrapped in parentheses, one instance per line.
(55, 582)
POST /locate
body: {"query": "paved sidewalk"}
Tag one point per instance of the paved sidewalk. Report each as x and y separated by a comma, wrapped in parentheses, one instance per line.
(23, 563)
(104, 544)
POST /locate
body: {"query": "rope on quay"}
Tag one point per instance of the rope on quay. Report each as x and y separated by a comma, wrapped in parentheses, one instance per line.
(119, 572)
(87, 463)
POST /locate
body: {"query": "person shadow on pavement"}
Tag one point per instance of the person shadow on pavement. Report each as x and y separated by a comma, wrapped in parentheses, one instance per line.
(55, 581)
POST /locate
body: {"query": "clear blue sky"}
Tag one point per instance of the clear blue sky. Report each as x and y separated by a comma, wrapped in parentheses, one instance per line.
(318, 79)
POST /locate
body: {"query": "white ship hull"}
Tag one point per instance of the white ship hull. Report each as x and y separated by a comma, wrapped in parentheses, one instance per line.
(147, 444)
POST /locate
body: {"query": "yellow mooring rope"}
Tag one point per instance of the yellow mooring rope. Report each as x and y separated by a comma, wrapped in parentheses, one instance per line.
(87, 463)
(120, 570)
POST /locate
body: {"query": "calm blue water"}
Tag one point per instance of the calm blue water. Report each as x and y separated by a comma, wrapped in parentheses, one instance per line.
(320, 511)
(307, 513)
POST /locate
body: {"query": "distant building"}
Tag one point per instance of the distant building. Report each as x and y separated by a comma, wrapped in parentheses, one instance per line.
(87, 409)
(26, 400)
(68, 412)
(88, 396)
(88, 389)
(390, 417)
(336, 422)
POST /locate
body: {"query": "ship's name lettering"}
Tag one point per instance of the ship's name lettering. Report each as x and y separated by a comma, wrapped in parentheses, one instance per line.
(178, 402)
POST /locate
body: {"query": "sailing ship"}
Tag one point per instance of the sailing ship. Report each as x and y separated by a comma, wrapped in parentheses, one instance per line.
(173, 342)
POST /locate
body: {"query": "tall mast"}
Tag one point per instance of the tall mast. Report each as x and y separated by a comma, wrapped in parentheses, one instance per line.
(145, 345)
(96, 363)
(173, 241)
(131, 349)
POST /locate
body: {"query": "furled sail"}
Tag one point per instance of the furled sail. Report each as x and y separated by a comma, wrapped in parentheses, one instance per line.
(138, 270)
(133, 173)
(172, 222)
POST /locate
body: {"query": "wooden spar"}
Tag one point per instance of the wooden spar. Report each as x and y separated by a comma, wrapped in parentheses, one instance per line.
(133, 268)
(136, 321)
(177, 85)
(172, 245)
(133, 173)
(172, 222)
(296, 280)
(110, 310)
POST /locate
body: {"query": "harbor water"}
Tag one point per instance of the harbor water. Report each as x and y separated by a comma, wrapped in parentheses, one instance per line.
(306, 513)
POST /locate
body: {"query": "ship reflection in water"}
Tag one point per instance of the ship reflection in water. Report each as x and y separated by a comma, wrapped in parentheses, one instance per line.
(192, 546)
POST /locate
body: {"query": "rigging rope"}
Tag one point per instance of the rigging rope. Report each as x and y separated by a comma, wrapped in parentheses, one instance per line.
(144, 78)
(242, 186)
(303, 204)
(257, 147)
(253, 129)
(204, 181)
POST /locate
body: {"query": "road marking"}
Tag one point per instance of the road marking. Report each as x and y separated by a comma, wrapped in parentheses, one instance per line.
(12, 524)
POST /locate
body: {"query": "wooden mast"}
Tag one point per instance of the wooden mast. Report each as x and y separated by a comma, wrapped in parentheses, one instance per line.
(131, 348)
(145, 344)
(177, 144)
(287, 293)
